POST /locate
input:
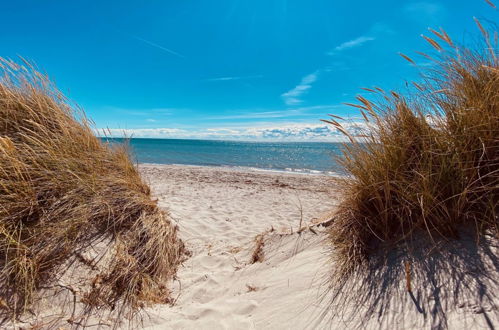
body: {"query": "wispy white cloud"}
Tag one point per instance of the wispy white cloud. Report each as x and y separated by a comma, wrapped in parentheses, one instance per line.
(376, 30)
(357, 42)
(285, 132)
(293, 96)
(235, 78)
(155, 45)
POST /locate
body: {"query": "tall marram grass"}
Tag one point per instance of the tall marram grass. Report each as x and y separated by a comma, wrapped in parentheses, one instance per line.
(428, 163)
(61, 191)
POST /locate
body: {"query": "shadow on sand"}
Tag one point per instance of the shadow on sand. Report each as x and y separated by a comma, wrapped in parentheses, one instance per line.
(454, 284)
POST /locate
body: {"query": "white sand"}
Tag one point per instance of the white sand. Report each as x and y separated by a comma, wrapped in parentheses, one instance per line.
(220, 211)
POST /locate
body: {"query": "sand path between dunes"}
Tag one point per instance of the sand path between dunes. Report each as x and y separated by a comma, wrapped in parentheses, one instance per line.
(220, 211)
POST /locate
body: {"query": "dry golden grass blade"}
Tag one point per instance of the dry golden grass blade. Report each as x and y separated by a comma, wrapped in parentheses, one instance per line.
(358, 106)
(26, 63)
(428, 57)
(407, 58)
(447, 38)
(486, 37)
(438, 34)
(490, 3)
(443, 36)
(258, 254)
(332, 122)
(395, 94)
(419, 87)
(484, 32)
(335, 116)
(364, 115)
(432, 42)
(365, 101)
(346, 133)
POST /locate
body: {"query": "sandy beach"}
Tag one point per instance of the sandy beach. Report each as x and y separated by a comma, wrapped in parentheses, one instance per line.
(220, 212)
(226, 282)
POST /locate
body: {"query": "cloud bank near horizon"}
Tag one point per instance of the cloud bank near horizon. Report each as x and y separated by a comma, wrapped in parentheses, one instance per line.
(289, 132)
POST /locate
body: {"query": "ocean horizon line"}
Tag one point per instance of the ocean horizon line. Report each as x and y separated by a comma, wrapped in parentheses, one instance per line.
(225, 140)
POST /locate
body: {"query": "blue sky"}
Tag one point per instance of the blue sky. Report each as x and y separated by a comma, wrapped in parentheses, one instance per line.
(237, 69)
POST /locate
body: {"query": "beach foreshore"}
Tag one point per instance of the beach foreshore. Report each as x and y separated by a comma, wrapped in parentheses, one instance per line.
(227, 215)
(249, 169)
(220, 211)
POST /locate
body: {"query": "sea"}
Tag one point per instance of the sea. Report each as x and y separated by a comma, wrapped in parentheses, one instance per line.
(297, 157)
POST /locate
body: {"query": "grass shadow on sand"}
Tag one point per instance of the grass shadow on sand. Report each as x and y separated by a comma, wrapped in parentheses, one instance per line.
(451, 277)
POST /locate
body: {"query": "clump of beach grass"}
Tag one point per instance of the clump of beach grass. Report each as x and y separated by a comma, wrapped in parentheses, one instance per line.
(62, 190)
(427, 162)
(423, 179)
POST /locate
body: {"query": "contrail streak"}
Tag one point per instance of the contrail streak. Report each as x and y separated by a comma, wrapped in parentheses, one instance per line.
(159, 46)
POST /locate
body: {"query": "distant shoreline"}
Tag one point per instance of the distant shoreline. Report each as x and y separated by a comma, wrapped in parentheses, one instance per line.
(247, 169)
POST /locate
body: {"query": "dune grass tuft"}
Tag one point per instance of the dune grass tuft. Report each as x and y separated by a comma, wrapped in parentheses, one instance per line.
(417, 227)
(428, 163)
(62, 191)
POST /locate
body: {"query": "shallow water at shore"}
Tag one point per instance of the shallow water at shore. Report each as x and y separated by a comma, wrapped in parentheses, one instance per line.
(296, 157)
